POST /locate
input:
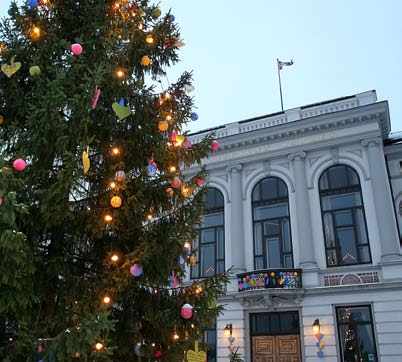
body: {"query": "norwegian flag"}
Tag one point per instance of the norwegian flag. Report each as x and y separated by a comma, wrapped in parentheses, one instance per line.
(284, 64)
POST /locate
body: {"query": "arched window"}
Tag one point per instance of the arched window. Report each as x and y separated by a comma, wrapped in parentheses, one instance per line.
(210, 239)
(344, 222)
(272, 237)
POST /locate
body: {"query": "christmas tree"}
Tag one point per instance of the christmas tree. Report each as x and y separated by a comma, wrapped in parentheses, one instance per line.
(97, 201)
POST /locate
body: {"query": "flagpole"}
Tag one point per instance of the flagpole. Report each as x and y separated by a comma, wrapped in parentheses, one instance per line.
(280, 85)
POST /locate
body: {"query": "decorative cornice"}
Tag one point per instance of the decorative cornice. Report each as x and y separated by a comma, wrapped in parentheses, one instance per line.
(297, 156)
(375, 141)
(235, 168)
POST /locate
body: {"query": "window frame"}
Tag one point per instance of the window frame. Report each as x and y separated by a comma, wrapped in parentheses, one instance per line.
(217, 208)
(266, 202)
(337, 191)
(371, 323)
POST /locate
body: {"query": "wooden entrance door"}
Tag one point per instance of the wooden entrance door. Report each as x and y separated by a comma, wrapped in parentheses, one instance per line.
(276, 348)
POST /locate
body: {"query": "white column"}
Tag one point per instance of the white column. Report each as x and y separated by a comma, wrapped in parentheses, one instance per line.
(303, 213)
(236, 219)
(386, 221)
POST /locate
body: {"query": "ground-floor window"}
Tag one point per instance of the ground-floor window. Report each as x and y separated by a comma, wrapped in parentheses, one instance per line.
(356, 334)
(210, 340)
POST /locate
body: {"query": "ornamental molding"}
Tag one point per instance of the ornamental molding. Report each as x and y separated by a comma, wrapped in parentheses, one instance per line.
(298, 128)
(271, 298)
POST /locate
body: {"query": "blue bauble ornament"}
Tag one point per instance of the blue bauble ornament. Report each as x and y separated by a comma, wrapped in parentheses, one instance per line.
(151, 170)
(33, 3)
(194, 116)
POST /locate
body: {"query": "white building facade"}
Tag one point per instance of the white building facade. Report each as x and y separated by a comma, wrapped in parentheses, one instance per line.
(305, 205)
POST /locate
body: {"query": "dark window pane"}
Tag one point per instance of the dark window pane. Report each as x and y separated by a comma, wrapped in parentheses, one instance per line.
(364, 254)
(361, 226)
(275, 323)
(324, 181)
(343, 218)
(207, 236)
(337, 177)
(329, 231)
(353, 177)
(256, 193)
(257, 239)
(347, 246)
(270, 211)
(208, 260)
(221, 243)
(213, 219)
(210, 339)
(331, 257)
(269, 189)
(273, 253)
(221, 266)
(288, 261)
(287, 244)
(282, 189)
(259, 263)
(271, 228)
(341, 201)
(356, 334)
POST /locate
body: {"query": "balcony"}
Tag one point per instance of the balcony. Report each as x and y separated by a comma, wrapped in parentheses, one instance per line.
(269, 279)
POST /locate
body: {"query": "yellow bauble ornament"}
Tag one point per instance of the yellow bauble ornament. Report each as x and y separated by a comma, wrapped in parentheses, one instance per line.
(145, 60)
(163, 125)
(180, 139)
(115, 201)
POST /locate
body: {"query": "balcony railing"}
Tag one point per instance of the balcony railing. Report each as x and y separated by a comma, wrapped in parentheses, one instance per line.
(269, 278)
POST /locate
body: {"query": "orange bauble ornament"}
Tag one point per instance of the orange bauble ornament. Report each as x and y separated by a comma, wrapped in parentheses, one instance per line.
(145, 60)
(192, 260)
(115, 201)
(163, 126)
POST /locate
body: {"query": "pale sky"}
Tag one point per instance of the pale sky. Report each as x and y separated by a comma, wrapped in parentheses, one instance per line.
(339, 48)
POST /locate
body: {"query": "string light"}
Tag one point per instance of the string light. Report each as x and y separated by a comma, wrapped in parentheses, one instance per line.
(172, 169)
(149, 39)
(108, 218)
(112, 185)
(35, 33)
(120, 73)
(99, 346)
(106, 300)
(115, 151)
(187, 245)
(168, 117)
(149, 217)
(176, 336)
(114, 258)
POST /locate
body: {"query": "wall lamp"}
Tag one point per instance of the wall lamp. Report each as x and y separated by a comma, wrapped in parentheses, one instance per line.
(227, 331)
(316, 326)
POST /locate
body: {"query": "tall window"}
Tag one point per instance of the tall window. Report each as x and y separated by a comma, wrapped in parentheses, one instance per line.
(210, 340)
(356, 336)
(272, 238)
(210, 240)
(344, 222)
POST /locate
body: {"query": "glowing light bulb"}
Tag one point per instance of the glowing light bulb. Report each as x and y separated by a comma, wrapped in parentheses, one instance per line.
(149, 39)
(192, 325)
(140, 26)
(35, 33)
(120, 73)
(112, 185)
(115, 151)
(187, 245)
(99, 346)
(167, 95)
(106, 300)
(168, 117)
(172, 169)
(176, 336)
(149, 216)
(114, 258)
(108, 218)
(116, 5)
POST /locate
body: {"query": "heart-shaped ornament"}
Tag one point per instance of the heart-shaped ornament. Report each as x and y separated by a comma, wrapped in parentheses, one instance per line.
(193, 356)
(121, 112)
(10, 69)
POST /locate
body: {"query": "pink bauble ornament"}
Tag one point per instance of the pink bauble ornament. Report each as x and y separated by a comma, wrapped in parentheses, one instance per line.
(1, 201)
(187, 144)
(136, 270)
(176, 182)
(172, 137)
(158, 354)
(186, 311)
(19, 164)
(76, 49)
(214, 145)
(199, 181)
